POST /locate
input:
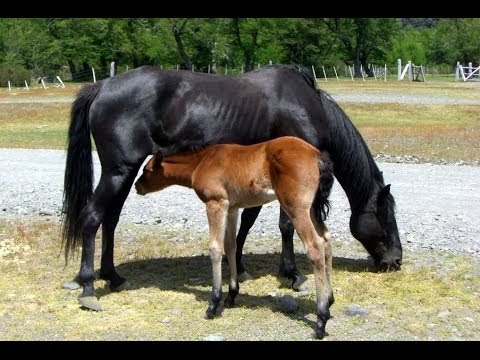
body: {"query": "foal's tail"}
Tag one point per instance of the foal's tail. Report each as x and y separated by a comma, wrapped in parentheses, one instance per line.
(321, 205)
(78, 181)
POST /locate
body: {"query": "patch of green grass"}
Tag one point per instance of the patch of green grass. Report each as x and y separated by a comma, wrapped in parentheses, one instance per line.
(430, 132)
(467, 90)
(34, 125)
(435, 296)
(449, 132)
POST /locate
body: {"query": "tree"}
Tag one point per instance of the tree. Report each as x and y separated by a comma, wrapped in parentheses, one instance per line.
(456, 40)
(362, 39)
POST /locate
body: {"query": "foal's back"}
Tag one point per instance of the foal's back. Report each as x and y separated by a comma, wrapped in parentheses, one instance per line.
(251, 175)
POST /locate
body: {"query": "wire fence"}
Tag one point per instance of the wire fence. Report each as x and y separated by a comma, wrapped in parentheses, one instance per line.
(383, 72)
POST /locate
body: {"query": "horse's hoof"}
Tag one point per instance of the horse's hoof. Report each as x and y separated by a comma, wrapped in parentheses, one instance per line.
(210, 314)
(118, 288)
(72, 285)
(320, 333)
(90, 302)
(244, 276)
(299, 284)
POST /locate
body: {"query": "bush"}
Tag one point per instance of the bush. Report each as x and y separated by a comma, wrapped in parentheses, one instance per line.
(16, 74)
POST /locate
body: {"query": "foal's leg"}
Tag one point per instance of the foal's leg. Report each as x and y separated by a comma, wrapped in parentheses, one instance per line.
(315, 247)
(110, 221)
(248, 218)
(288, 268)
(217, 219)
(324, 233)
(230, 246)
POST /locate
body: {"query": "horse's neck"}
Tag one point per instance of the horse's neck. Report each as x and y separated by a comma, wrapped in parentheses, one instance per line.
(178, 169)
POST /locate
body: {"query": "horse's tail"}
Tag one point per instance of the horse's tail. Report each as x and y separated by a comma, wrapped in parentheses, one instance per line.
(78, 181)
(321, 205)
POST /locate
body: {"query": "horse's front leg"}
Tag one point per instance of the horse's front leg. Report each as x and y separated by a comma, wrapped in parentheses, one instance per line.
(248, 218)
(287, 267)
(230, 245)
(111, 189)
(217, 218)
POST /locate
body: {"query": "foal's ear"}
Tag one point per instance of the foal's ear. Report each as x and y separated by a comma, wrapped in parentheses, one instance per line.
(157, 160)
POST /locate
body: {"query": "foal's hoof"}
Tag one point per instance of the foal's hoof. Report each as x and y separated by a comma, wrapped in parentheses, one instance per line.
(244, 276)
(229, 302)
(299, 283)
(90, 302)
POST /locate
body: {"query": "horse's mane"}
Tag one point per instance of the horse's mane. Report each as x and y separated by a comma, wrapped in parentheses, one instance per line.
(347, 147)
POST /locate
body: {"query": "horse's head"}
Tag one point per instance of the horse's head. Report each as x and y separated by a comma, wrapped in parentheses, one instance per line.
(152, 178)
(376, 228)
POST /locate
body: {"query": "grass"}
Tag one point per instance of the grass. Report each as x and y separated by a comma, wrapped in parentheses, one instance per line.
(435, 297)
(467, 90)
(429, 132)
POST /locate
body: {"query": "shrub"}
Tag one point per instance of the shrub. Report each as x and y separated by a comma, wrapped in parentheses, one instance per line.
(16, 74)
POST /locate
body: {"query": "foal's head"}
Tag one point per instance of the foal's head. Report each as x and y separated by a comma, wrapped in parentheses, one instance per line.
(153, 178)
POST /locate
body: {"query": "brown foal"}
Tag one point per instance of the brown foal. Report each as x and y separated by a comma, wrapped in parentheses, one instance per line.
(227, 177)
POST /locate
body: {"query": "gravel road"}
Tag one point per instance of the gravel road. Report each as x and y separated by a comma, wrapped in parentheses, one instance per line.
(438, 206)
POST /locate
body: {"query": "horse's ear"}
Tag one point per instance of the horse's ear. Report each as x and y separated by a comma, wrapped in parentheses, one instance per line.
(382, 195)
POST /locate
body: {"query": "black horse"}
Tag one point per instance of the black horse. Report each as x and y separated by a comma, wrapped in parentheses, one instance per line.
(148, 109)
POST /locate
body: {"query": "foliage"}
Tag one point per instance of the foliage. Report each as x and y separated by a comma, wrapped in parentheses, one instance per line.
(50, 46)
(14, 73)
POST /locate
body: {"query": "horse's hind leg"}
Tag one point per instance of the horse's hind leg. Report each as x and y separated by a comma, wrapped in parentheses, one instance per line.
(248, 218)
(229, 242)
(287, 267)
(110, 221)
(110, 189)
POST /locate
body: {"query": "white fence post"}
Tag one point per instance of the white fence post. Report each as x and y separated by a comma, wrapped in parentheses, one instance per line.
(9, 86)
(112, 69)
(26, 85)
(314, 75)
(324, 74)
(457, 71)
(385, 75)
(43, 84)
(399, 65)
(351, 74)
(61, 82)
(336, 75)
(93, 73)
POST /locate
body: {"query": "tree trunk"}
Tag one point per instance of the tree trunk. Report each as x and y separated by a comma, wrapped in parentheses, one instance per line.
(356, 64)
(73, 69)
(177, 34)
(368, 71)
